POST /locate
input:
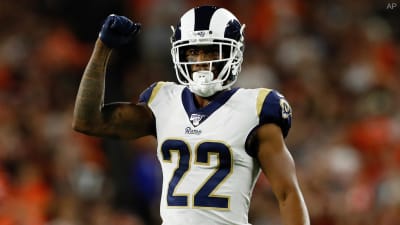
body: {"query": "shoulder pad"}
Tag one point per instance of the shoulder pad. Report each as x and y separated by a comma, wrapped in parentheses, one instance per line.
(148, 95)
(275, 109)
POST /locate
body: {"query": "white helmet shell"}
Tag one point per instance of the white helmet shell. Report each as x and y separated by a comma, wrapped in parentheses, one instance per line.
(208, 25)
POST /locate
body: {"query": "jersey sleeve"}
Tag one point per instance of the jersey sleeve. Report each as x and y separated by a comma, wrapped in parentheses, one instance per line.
(148, 95)
(275, 109)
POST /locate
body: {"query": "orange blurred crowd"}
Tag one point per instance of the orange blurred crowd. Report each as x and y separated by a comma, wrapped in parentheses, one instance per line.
(337, 63)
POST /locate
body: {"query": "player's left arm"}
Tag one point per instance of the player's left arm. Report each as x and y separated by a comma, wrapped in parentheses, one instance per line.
(279, 167)
(276, 162)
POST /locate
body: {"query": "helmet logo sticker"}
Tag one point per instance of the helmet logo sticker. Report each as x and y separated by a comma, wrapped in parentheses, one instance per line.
(199, 33)
(202, 33)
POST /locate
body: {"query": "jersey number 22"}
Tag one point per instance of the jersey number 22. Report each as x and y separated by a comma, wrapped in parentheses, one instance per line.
(204, 197)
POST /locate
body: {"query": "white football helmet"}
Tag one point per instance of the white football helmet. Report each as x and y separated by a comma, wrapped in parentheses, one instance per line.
(208, 26)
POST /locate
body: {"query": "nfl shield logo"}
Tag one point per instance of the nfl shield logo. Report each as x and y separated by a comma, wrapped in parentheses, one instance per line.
(196, 119)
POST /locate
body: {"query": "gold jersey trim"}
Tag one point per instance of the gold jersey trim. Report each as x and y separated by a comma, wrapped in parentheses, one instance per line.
(156, 89)
(262, 94)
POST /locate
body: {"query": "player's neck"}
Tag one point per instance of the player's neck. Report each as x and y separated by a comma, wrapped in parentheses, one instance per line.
(201, 101)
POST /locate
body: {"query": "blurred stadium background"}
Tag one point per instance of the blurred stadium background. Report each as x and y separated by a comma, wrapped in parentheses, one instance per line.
(337, 62)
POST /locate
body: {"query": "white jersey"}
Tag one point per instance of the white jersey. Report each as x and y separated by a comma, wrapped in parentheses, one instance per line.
(208, 175)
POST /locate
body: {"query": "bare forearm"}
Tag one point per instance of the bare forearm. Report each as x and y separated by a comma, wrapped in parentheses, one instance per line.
(293, 209)
(91, 89)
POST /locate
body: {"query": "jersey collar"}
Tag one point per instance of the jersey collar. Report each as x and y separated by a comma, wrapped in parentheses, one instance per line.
(198, 115)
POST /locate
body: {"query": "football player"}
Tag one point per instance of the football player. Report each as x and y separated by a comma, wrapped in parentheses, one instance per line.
(213, 140)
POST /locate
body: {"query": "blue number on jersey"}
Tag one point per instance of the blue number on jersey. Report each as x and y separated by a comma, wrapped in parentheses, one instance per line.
(204, 197)
(184, 158)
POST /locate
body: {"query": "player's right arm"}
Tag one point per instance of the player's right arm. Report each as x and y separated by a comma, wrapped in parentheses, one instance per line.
(93, 117)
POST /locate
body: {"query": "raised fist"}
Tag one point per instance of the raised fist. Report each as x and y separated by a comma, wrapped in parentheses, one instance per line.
(118, 30)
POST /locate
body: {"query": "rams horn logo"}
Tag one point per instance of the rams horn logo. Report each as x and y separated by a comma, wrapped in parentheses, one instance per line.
(286, 109)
